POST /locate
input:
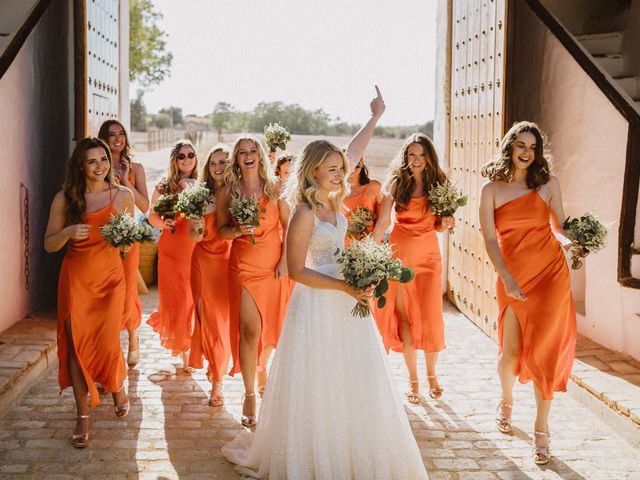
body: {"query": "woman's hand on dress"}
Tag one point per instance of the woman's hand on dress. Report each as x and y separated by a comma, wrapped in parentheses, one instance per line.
(78, 231)
(281, 269)
(377, 105)
(448, 222)
(362, 296)
(244, 229)
(187, 182)
(168, 223)
(512, 289)
(125, 249)
(197, 224)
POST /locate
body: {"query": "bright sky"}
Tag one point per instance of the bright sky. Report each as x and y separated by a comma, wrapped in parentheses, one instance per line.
(320, 54)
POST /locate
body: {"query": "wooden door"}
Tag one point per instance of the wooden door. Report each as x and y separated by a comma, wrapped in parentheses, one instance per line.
(97, 51)
(478, 43)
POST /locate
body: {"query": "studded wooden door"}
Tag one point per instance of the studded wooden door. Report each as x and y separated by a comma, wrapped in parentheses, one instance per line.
(478, 42)
(97, 24)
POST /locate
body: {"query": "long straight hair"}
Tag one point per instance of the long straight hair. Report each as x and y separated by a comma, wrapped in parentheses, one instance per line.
(103, 134)
(205, 175)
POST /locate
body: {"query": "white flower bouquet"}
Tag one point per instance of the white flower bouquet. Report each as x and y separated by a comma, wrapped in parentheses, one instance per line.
(276, 136)
(246, 211)
(588, 232)
(359, 221)
(192, 202)
(445, 199)
(365, 264)
(122, 231)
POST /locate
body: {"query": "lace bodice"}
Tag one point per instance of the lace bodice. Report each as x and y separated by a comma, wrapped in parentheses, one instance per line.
(325, 240)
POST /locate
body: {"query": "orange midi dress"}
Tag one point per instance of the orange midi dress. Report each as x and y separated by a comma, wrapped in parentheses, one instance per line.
(210, 288)
(352, 202)
(415, 243)
(253, 268)
(174, 318)
(91, 293)
(547, 318)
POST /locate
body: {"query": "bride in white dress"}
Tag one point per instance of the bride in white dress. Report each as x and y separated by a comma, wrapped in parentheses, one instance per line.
(331, 410)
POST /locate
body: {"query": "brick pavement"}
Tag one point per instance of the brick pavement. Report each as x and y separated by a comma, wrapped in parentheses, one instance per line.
(171, 432)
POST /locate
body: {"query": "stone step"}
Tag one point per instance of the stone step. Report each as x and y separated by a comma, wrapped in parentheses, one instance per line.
(613, 64)
(28, 350)
(602, 43)
(631, 85)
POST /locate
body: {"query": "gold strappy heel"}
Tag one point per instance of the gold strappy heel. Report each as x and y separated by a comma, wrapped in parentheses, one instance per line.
(80, 440)
(248, 421)
(435, 393)
(503, 422)
(413, 397)
(541, 455)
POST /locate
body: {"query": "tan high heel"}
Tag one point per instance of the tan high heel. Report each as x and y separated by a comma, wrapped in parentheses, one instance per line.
(541, 455)
(413, 398)
(216, 400)
(185, 363)
(122, 410)
(435, 393)
(133, 355)
(248, 421)
(503, 422)
(80, 440)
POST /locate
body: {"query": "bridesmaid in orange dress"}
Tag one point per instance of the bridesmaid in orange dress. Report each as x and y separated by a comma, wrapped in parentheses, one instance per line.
(412, 319)
(365, 192)
(91, 290)
(537, 322)
(174, 318)
(129, 174)
(255, 270)
(209, 281)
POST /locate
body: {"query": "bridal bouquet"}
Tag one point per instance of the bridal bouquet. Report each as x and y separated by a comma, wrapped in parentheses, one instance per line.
(276, 136)
(588, 232)
(445, 199)
(246, 211)
(122, 231)
(165, 207)
(192, 202)
(359, 221)
(365, 264)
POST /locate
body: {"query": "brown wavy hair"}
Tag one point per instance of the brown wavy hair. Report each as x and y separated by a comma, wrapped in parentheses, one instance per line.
(205, 176)
(502, 169)
(400, 183)
(75, 185)
(170, 183)
(282, 159)
(103, 134)
(363, 178)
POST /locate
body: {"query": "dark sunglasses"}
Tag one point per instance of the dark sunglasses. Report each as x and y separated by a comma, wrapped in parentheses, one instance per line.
(182, 156)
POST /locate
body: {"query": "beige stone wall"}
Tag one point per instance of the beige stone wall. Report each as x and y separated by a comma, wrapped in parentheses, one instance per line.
(588, 139)
(36, 106)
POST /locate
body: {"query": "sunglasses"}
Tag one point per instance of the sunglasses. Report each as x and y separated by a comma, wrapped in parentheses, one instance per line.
(182, 156)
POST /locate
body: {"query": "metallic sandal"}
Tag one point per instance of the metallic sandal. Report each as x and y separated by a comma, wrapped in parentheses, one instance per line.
(80, 440)
(503, 422)
(541, 455)
(413, 398)
(435, 393)
(248, 421)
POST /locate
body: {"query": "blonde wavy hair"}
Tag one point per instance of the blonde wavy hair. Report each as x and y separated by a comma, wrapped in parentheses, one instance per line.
(302, 187)
(171, 181)
(205, 176)
(233, 175)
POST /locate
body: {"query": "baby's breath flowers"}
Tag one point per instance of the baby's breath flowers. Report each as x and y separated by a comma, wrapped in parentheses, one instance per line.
(192, 202)
(276, 136)
(122, 231)
(366, 264)
(164, 207)
(588, 232)
(445, 199)
(359, 221)
(246, 211)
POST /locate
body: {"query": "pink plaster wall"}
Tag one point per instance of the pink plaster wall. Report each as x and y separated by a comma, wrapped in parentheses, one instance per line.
(35, 101)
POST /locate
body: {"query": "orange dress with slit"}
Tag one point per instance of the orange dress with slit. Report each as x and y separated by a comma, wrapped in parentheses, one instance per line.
(174, 318)
(547, 317)
(415, 243)
(253, 268)
(91, 293)
(210, 288)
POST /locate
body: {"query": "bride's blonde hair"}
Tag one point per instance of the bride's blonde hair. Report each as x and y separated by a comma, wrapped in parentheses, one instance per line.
(302, 187)
(233, 176)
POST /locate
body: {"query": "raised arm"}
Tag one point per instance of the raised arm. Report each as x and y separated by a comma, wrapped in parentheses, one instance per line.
(488, 225)
(384, 217)
(358, 144)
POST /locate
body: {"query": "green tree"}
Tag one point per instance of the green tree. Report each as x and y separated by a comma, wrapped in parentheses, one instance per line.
(149, 62)
(138, 113)
(162, 120)
(221, 117)
(175, 113)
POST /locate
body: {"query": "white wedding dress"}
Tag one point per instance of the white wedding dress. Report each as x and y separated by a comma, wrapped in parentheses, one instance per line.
(331, 410)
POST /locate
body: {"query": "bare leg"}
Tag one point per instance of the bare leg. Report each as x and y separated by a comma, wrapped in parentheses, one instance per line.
(409, 352)
(508, 361)
(435, 391)
(250, 329)
(262, 374)
(78, 384)
(133, 354)
(543, 407)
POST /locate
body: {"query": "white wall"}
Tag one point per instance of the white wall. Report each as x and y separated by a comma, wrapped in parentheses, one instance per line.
(35, 103)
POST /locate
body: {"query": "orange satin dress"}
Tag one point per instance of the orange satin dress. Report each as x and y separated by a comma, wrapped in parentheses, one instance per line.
(253, 267)
(415, 243)
(210, 287)
(352, 202)
(91, 293)
(547, 318)
(133, 306)
(174, 318)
